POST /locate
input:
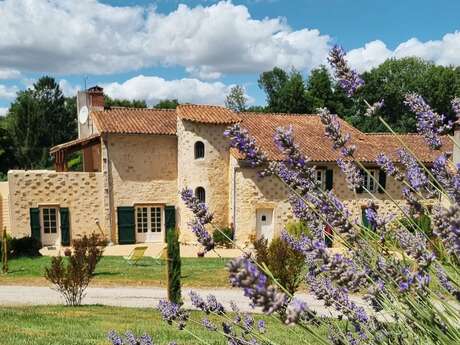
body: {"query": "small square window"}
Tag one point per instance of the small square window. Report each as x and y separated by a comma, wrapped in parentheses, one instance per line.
(49, 220)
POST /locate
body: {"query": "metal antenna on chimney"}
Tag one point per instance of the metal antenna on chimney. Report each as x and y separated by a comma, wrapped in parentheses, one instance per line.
(85, 79)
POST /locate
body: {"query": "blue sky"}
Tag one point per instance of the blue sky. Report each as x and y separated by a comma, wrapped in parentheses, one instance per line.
(195, 50)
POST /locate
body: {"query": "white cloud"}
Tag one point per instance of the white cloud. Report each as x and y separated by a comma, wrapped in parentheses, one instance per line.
(85, 36)
(8, 92)
(9, 73)
(154, 89)
(3, 111)
(442, 52)
(68, 89)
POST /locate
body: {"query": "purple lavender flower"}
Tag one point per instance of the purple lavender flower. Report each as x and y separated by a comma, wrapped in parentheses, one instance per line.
(130, 339)
(446, 283)
(261, 326)
(414, 173)
(372, 110)
(456, 106)
(199, 209)
(387, 165)
(208, 325)
(334, 132)
(240, 139)
(203, 236)
(172, 312)
(449, 180)
(245, 274)
(415, 246)
(429, 123)
(446, 226)
(115, 338)
(352, 173)
(297, 311)
(349, 80)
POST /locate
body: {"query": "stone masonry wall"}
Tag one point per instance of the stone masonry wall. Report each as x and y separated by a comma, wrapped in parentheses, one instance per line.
(143, 169)
(210, 172)
(4, 207)
(81, 192)
(253, 193)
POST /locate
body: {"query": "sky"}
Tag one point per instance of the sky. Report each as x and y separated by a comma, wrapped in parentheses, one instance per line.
(196, 50)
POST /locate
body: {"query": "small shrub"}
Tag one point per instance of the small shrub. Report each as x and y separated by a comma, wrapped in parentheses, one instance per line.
(71, 275)
(285, 264)
(174, 267)
(297, 229)
(223, 237)
(4, 252)
(25, 246)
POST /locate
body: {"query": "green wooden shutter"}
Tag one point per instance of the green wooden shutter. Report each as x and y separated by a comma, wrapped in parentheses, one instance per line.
(126, 226)
(382, 180)
(65, 226)
(329, 179)
(35, 230)
(170, 219)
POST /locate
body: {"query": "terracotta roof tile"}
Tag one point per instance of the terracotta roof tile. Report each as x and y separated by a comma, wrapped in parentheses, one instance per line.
(135, 121)
(309, 135)
(211, 114)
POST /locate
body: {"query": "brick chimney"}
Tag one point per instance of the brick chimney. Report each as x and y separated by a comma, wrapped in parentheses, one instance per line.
(96, 97)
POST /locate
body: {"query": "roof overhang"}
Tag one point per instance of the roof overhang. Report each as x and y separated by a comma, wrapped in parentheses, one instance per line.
(76, 145)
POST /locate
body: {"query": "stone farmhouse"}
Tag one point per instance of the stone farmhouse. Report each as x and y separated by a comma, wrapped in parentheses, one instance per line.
(135, 161)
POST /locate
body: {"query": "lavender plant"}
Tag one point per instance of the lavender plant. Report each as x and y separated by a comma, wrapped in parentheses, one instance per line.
(408, 289)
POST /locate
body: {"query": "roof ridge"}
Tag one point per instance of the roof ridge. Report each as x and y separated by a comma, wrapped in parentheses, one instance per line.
(392, 134)
(251, 113)
(137, 109)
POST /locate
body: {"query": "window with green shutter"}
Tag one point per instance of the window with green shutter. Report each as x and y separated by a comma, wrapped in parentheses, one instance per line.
(65, 226)
(35, 229)
(382, 181)
(126, 225)
(329, 179)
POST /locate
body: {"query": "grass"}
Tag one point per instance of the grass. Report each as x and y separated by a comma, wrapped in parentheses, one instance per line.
(88, 325)
(112, 270)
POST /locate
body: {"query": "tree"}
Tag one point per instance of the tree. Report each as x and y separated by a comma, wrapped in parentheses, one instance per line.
(285, 92)
(236, 99)
(37, 120)
(110, 102)
(167, 104)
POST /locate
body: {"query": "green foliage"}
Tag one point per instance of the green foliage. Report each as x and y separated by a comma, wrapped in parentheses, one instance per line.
(110, 102)
(174, 267)
(297, 229)
(223, 237)
(167, 104)
(22, 247)
(285, 264)
(236, 99)
(75, 162)
(37, 120)
(4, 251)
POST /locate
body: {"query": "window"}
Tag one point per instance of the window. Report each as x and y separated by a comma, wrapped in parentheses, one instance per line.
(321, 178)
(199, 150)
(148, 219)
(370, 180)
(200, 193)
(49, 220)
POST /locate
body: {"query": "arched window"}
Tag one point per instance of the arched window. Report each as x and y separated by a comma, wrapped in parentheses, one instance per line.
(200, 194)
(199, 150)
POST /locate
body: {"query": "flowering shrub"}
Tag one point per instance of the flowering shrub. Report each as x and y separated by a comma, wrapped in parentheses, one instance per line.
(394, 264)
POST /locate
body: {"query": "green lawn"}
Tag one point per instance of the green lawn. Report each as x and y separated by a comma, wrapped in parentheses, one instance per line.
(197, 272)
(88, 325)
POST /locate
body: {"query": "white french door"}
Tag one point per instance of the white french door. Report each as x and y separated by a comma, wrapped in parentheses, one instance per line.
(149, 223)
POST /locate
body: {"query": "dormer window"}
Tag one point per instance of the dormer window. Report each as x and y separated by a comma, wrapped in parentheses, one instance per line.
(200, 194)
(199, 150)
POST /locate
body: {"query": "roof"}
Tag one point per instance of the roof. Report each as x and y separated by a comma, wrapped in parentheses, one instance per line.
(211, 114)
(77, 144)
(135, 121)
(309, 135)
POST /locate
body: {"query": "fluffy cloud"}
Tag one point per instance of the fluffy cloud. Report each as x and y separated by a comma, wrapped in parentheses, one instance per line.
(154, 89)
(3, 111)
(85, 36)
(442, 52)
(9, 73)
(7, 92)
(68, 89)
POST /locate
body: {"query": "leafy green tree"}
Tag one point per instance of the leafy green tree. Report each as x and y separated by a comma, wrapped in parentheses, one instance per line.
(7, 150)
(167, 104)
(285, 92)
(236, 99)
(37, 120)
(110, 102)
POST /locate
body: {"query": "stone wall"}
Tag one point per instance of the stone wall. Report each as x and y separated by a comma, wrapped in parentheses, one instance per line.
(252, 193)
(210, 172)
(81, 192)
(4, 206)
(143, 169)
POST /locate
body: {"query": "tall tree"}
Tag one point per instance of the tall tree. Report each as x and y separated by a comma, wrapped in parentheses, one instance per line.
(236, 99)
(126, 103)
(285, 92)
(37, 120)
